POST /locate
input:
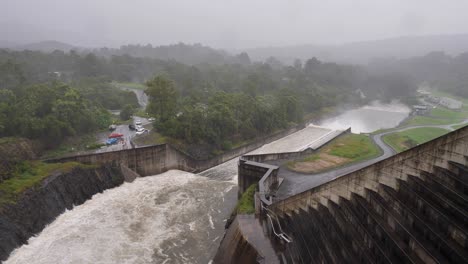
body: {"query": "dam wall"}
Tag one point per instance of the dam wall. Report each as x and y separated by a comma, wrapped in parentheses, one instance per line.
(409, 208)
(426, 157)
(156, 159)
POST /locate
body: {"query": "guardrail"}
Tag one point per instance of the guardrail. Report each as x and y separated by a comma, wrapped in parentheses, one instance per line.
(280, 234)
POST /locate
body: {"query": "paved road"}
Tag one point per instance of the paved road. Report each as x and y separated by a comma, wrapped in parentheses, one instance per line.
(296, 183)
(123, 129)
(127, 136)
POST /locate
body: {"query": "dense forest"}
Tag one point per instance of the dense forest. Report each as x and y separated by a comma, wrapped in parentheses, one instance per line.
(205, 103)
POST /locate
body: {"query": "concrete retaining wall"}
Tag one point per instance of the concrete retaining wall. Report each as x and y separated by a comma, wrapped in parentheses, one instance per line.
(453, 147)
(156, 159)
(251, 172)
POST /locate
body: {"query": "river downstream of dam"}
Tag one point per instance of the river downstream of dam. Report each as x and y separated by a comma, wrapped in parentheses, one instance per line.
(173, 217)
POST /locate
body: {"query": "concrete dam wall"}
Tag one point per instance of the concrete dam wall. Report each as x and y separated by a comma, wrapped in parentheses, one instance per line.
(409, 208)
(156, 159)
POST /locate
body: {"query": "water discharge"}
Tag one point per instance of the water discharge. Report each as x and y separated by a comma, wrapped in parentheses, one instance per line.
(174, 217)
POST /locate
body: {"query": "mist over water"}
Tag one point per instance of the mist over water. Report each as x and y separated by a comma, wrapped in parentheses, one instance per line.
(369, 118)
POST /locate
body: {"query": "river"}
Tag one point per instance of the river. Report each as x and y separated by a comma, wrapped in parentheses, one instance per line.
(174, 217)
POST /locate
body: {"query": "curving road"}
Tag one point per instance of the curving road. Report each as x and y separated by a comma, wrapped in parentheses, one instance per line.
(295, 183)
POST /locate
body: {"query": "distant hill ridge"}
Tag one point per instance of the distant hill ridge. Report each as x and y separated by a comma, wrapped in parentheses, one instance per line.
(364, 51)
(356, 53)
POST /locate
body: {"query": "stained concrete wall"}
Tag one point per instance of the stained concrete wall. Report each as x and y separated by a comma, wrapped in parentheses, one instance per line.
(156, 159)
(424, 158)
(235, 247)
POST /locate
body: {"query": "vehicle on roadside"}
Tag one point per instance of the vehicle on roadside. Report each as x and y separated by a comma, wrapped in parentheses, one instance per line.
(141, 132)
(112, 141)
(112, 127)
(138, 122)
(151, 119)
(131, 127)
(115, 135)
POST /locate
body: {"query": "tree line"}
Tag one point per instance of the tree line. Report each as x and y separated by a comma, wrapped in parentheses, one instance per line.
(218, 104)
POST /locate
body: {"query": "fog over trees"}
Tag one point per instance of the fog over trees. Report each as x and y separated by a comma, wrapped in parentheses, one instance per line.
(218, 73)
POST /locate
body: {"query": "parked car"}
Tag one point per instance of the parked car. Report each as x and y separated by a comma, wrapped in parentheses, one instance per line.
(142, 131)
(151, 119)
(115, 135)
(131, 127)
(112, 141)
(138, 122)
(112, 127)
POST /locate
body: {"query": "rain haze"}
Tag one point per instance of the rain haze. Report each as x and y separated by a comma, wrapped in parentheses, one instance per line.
(226, 24)
(233, 131)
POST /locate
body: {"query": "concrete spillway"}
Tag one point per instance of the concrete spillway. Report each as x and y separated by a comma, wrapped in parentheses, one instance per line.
(410, 208)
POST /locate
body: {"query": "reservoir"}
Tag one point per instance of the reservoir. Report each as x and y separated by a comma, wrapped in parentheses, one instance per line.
(369, 118)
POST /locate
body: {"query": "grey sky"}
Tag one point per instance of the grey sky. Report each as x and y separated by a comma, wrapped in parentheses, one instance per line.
(226, 24)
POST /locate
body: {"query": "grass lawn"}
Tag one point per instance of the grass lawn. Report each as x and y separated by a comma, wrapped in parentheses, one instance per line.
(153, 138)
(131, 85)
(347, 149)
(73, 144)
(404, 140)
(446, 113)
(439, 116)
(246, 204)
(30, 173)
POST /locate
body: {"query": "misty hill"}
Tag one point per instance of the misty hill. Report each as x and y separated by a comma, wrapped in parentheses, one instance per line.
(47, 46)
(183, 53)
(364, 51)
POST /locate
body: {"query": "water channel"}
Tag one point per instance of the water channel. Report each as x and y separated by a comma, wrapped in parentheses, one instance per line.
(174, 217)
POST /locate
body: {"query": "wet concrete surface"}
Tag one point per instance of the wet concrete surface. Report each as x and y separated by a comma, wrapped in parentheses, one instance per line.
(295, 183)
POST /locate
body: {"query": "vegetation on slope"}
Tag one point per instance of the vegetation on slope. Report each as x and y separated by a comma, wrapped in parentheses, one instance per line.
(30, 173)
(246, 204)
(342, 151)
(404, 140)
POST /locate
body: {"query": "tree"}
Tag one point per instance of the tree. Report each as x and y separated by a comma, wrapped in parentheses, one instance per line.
(162, 98)
(126, 112)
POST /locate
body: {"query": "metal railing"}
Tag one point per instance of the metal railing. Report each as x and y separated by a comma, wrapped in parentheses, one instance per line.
(281, 233)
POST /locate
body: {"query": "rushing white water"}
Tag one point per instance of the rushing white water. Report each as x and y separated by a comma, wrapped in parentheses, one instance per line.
(369, 118)
(174, 217)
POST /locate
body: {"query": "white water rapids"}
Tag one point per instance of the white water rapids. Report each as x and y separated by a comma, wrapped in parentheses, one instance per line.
(174, 217)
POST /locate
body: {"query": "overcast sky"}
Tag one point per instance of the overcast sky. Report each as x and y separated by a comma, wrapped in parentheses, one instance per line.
(226, 23)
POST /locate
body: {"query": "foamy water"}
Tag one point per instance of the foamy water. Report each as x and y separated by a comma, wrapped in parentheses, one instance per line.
(169, 218)
(369, 118)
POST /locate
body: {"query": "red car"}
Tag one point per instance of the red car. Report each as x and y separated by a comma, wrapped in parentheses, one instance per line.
(115, 135)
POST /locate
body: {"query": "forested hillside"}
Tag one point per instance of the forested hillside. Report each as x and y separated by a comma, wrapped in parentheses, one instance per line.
(65, 94)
